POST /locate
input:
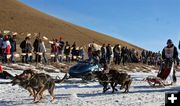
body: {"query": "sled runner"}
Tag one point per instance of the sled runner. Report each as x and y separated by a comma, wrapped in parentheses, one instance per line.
(166, 70)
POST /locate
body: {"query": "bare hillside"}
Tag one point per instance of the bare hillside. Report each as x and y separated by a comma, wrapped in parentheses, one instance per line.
(16, 16)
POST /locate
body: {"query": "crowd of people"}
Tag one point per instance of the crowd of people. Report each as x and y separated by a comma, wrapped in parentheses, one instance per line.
(124, 55)
(62, 51)
(7, 47)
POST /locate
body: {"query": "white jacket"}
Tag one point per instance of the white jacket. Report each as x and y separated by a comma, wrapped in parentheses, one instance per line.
(5, 44)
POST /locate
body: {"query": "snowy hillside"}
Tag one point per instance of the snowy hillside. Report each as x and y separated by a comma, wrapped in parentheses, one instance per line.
(76, 93)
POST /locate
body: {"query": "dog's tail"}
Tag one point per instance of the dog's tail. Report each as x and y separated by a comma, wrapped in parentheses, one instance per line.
(59, 80)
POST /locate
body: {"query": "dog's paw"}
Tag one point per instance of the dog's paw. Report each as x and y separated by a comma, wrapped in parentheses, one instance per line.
(52, 101)
(36, 101)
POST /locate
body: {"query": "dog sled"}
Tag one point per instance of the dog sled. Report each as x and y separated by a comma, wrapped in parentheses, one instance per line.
(166, 71)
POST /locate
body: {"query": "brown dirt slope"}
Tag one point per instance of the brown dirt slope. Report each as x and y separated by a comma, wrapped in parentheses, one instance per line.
(16, 16)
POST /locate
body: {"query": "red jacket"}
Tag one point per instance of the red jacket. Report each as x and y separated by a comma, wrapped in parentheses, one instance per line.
(1, 69)
(8, 50)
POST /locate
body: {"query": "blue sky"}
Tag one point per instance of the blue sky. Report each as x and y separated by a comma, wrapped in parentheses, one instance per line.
(145, 23)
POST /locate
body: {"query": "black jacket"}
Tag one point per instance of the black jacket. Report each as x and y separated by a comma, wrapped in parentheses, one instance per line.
(23, 46)
(103, 51)
(36, 45)
(13, 45)
(67, 50)
(109, 50)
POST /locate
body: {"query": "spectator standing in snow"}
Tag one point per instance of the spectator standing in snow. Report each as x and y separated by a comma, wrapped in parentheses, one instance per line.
(103, 52)
(6, 49)
(90, 52)
(81, 53)
(117, 54)
(28, 50)
(36, 45)
(108, 53)
(60, 49)
(54, 50)
(73, 51)
(67, 50)
(13, 47)
(43, 51)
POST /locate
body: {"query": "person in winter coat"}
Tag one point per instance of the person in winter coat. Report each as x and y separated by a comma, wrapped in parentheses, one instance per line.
(96, 57)
(82, 53)
(67, 50)
(60, 49)
(40, 50)
(6, 49)
(54, 50)
(23, 47)
(28, 50)
(108, 53)
(103, 52)
(43, 47)
(170, 53)
(36, 49)
(124, 54)
(90, 52)
(13, 47)
(73, 52)
(117, 54)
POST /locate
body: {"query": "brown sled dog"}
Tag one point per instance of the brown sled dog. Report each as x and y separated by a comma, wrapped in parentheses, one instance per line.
(120, 78)
(36, 84)
(103, 79)
(114, 78)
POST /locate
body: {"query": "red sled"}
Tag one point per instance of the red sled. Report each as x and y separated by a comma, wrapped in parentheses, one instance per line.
(165, 70)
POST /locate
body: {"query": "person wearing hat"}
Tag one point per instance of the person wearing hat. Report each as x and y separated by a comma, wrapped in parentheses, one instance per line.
(26, 47)
(170, 53)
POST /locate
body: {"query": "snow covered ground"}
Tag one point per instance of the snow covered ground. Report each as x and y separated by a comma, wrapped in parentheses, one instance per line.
(89, 94)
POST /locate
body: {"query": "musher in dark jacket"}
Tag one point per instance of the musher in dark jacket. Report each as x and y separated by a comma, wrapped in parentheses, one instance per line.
(170, 53)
